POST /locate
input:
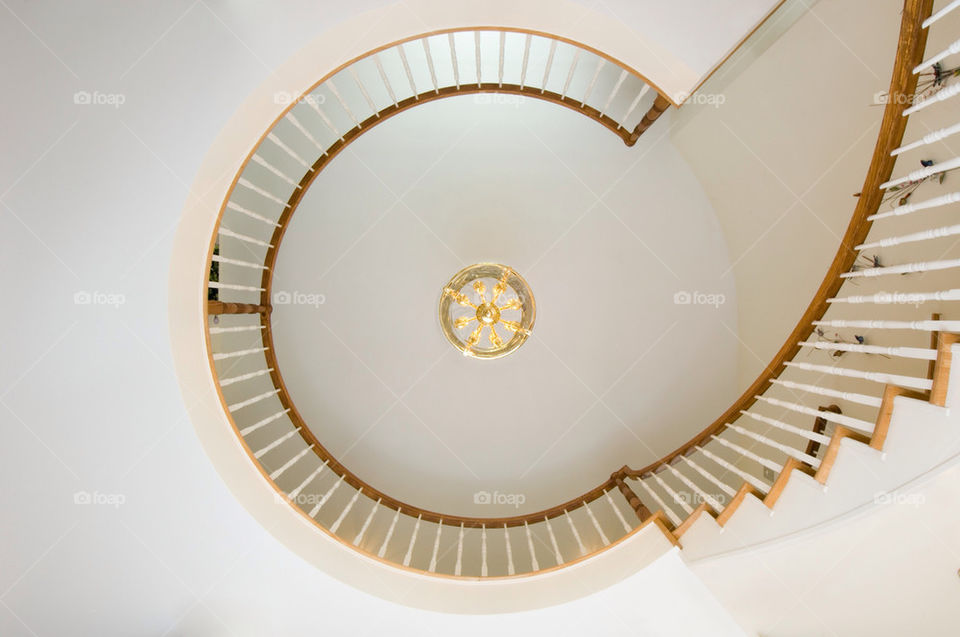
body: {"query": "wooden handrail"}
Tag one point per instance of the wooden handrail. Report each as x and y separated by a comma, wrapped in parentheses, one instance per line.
(903, 85)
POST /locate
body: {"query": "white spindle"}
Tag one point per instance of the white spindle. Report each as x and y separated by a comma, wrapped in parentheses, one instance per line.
(673, 494)
(613, 93)
(511, 570)
(273, 169)
(901, 298)
(573, 68)
(289, 463)
(459, 566)
(384, 78)
(756, 482)
(593, 81)
(596, 523)
(616, 510)
(227, 232)
(923, 326)
(690, 484)
(453, 60)
(264, 422)
(483, 540)
(892, 379)
(224, 382)
(553, 541)
(722, 485)
(910, 208)
(251, 214)
(953, 49)
(476, 47)
(315, 105)
(773, 422)
(219, 258)
(526, 59)
(406, 69)
(634, 103)
(276, 443)
(433, 70)
(940, 96)
(366, 523)
(924, 235)
(576, 533)
(840, 419)
(413, 540)
(386, 540)
(503, 44)
(663, 505)
(346, 509)
(941, 13)
(923, 173)
(239, 328)
(549, 65)
(900, 352)
(790, 451)
(926, 140)
(300, 487)
(260, 191)
(343, 104)
(436, 548)
(279, 143)
(233, 286)
(326, 497)
(534, 565)
(300, 127)
(766, 462)
(363, 90)
(244, 403)
(860, 399)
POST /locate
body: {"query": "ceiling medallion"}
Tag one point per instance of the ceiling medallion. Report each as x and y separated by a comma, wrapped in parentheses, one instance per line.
(487, 310)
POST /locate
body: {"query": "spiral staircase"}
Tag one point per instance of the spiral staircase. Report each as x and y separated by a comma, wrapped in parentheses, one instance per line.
(827, 425)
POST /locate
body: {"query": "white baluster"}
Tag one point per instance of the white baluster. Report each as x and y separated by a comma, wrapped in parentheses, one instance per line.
(840, 419)
(626, 527)
(264, 422)
(231, 286)
(766, 462)
(406, 69)
(663, 505)
(910, 208)
(225, 382)
(953, 49)
(363, 89)
(458, 568)
(613, 93)
(300, 127)
(924, 326)
(549, 65)
(227, 232)
(289, 463)
(315, 105)
(296, 492)
(941, 96)
(596, 523)
(251, 401)
(327, 496)
(926, 171)
(901, 298)
(690, 484)
(941, 13)
(343, 104)
(593, 82)
(453, 60)
(279, 143)
(891, 379)
(925, 235)
(534, 565)
(433, 70)
(436, 548)
(384, 78)
(366, 523)
(673, 494)
(523, 65)
(219, 258)
(506, 536)
(260, 191)
(573, 67)
(251, 214)
(723, 486)
(634, 103)
(929, 138)
(553, 540)
(900, 352)
(413, 540)
(476, 42)
(483, 530)
(860, 399)
(756, 482)
(257, 159)
(276, 443)
(386, 540)
(809, 435)
(576, 534)
(503, 44)
(790, 451)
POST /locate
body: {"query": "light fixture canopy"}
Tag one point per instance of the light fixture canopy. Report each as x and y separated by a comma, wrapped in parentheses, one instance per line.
(487, 310)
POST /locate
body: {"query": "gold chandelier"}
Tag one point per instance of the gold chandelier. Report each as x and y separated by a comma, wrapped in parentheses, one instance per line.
(510, 306)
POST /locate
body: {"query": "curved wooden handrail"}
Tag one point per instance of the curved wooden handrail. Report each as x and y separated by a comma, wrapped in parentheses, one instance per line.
(903, 84)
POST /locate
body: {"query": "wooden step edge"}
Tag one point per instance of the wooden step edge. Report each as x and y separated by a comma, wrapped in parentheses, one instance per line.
(791, 465)
(693, 517)
(745, 489)
(941, 369)
(882, 425)
(660, 520)
(826, 462)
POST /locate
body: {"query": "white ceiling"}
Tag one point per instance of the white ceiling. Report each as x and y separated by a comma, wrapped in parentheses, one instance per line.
(604, 234)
